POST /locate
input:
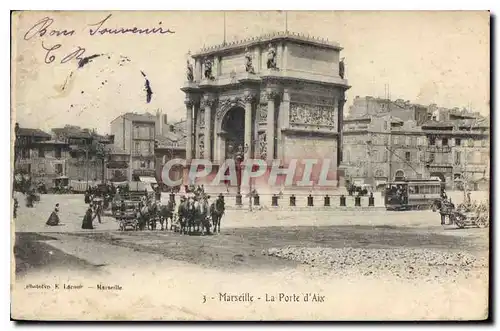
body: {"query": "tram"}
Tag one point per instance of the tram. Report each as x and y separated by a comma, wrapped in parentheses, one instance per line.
(412, 194)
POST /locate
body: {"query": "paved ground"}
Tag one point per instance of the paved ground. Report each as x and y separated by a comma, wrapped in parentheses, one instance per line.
(72, 209)
(165, 275)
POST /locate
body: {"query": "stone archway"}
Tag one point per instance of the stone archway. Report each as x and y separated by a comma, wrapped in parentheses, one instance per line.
(399, 175)
(233, 131)
(439, 175)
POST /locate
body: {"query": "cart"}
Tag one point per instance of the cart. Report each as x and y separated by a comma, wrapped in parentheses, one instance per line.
(463, 217)
(127, 219)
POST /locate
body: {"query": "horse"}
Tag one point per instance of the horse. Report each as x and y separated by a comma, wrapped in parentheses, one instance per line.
(199, 220)
(216, 212)
(183, 214)
(146, 216)
(445, 208)
(165, 213)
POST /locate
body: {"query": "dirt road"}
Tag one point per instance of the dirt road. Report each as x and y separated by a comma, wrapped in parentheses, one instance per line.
(168, 276)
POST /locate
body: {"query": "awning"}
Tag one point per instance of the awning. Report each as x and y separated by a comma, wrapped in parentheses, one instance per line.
(150, 180)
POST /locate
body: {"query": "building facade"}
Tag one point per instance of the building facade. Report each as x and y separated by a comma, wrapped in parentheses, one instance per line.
(40, 157)
(134, 134)
(459, 152)
(87, 152)
(278, 98)
(381, 148)
(449, 144)
(70, 153)
(171, 144)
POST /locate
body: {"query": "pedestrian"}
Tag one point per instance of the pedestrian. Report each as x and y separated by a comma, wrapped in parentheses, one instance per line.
(16, 205)
(97, 211)
(87, 219)
(29, 199)
(54, 217)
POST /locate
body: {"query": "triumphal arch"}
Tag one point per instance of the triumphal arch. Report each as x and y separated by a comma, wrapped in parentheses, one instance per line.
(277, 97)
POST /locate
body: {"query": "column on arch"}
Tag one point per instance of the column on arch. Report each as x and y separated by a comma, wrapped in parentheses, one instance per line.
(189, 127)
(207, 103)
(249, 99)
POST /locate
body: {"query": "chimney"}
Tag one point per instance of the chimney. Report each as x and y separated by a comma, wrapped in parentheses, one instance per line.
(158, 123)
(164, 124)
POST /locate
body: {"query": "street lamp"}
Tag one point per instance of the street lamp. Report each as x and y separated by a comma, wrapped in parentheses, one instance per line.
(238, 160)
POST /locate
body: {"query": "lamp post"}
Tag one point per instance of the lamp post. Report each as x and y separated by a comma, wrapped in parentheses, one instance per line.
(238, 158)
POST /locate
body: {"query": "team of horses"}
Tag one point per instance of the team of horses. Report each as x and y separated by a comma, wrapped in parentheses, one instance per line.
(193, 215)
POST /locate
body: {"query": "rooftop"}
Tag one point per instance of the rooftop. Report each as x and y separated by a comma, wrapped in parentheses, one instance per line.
(139, 117)
(33, 133)
(275, 36)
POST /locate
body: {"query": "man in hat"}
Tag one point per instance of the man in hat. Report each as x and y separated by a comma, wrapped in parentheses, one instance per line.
(97, 210)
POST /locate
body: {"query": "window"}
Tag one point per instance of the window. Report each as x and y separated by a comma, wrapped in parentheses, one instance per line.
(346, 156)
(432, 140)
(445, 141)
(458, 141)
(59, 169)
(458, 158)
(432, 157)
(58, 152)
(136, 147)
(41, 152)
(25, 153)
(150, 148)
(407, 156)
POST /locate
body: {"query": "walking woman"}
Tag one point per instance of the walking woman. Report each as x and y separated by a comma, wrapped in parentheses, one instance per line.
(54, 217)
(87, 220)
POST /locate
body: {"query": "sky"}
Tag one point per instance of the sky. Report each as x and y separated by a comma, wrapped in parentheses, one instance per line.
(424, 57)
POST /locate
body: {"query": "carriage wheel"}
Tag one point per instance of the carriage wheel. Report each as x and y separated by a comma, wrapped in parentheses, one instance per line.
(459, 222)
(481, 222)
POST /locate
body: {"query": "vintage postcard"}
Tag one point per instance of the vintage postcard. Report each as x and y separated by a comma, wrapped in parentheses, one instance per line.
(250, 165)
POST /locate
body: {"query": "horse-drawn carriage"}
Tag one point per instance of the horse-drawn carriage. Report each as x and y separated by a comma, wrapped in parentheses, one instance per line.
(470, 215)
(465, 214)
(127, 216)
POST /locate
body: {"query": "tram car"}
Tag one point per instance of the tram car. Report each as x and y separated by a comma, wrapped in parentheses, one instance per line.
(412, 194)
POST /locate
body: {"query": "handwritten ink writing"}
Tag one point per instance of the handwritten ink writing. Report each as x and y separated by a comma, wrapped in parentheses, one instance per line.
(40, 29)
(135, 30)
(76, 54)
(43, 28)
(49, 57)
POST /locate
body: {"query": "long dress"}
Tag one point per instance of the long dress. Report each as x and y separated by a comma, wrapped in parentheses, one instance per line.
(53, 219)
(87, 220)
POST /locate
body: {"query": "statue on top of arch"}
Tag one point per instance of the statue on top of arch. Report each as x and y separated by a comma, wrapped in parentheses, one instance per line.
(208, 69)
(189, 71)
(248, 64)
(271, 57)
